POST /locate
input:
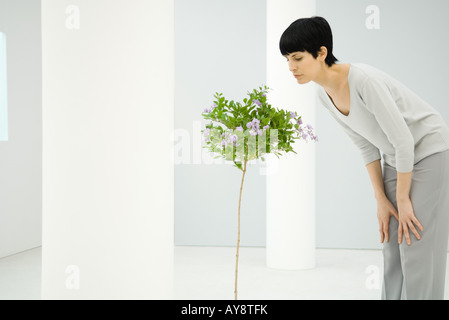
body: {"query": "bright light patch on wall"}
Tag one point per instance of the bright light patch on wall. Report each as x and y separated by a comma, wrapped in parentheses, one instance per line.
(3, 90)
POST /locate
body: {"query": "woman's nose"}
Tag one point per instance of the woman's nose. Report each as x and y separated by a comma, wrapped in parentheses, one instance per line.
(291, 66)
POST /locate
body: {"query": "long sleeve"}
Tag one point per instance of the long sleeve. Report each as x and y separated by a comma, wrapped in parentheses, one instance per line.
(368, 151)
(380, 102)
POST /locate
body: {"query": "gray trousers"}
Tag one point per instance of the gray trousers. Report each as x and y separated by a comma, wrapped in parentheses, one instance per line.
(418, 271)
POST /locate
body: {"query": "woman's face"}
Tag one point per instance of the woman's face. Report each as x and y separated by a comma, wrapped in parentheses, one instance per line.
(303, 66)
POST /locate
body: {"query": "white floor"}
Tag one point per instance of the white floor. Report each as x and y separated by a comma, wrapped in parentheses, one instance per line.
(208, 273)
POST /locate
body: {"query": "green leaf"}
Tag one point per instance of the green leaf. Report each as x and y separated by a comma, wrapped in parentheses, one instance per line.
(229, 114)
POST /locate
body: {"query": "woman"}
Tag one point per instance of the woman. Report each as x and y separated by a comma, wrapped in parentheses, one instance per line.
(381, 115)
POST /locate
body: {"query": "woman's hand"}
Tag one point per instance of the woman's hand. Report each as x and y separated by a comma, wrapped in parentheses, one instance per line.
(385, 210)
(407, 220)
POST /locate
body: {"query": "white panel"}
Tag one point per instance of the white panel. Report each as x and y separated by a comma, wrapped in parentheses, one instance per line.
(291, 184)
(20, 126)
(3, 90)
(108, 87)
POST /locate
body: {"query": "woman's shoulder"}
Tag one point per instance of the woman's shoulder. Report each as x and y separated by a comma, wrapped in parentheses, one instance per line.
(363, 71)
(362, 74)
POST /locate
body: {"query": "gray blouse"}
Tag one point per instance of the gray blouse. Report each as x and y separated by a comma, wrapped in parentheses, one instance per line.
(385, 116)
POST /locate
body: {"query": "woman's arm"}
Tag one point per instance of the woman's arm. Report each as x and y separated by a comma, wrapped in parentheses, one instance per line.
(375, 173)
(407, 217)
(403, 186)
(385, 209)
(380, 102)
(377, 95)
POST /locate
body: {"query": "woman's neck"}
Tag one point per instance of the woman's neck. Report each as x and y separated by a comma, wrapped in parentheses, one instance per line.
(333, 79)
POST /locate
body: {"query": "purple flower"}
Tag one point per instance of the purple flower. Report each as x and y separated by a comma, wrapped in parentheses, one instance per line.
(213, 106)
(256, 123)
(299, 121)
(231, 139)
(256, 132)
(239, 129)
(307, 133)
(266, 127)
(293, 114)
(253, 124)
(257, 102)
(206, 135)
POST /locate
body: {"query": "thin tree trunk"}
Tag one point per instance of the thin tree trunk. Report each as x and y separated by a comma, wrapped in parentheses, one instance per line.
(238, 237)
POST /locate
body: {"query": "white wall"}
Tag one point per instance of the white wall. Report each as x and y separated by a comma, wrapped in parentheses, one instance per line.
(3, 89)
(220, 46)
(108, 88)
(21, 154)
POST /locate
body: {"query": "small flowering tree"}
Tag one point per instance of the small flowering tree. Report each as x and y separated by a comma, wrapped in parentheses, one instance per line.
(250, 130)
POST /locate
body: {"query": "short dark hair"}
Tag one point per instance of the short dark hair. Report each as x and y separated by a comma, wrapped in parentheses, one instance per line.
(308, 34)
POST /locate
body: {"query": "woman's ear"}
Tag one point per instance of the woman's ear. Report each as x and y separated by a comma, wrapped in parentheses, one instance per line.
(322, 54)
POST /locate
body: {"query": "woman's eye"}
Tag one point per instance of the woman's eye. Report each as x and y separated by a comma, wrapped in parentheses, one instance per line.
(296, 59)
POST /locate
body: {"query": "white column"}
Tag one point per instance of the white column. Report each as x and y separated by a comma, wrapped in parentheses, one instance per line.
(291, 182)
(108, 88)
